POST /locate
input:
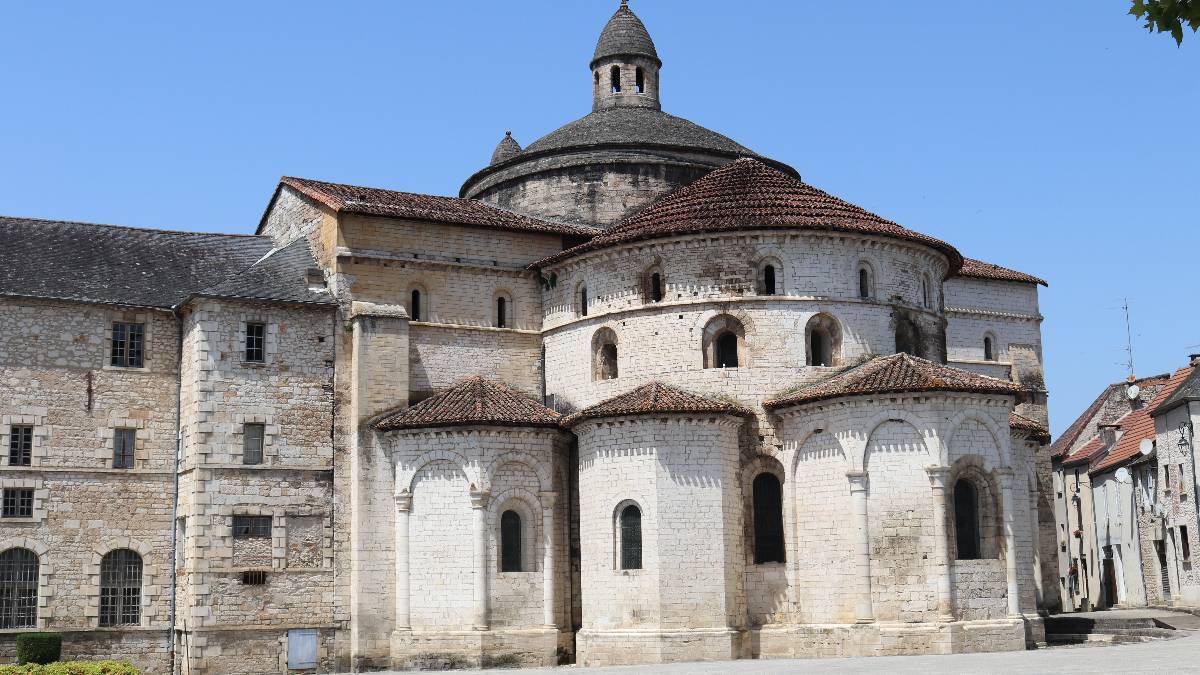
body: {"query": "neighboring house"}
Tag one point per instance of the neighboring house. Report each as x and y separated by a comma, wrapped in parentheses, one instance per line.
(1176, 522)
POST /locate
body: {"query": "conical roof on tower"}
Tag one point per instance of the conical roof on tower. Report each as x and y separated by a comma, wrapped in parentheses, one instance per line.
(506, 149)
(625, 35)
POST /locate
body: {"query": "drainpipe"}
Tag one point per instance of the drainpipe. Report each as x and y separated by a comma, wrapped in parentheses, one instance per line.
(173, 562)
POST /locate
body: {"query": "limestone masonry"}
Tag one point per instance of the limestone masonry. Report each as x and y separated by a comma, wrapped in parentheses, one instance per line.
(639, 394)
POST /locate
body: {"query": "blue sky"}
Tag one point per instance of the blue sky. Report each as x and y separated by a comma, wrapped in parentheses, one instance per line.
(1058, 138)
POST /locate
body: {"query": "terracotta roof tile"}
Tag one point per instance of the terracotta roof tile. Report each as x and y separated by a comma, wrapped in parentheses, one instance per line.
(472, 401)
(748, 194)
(897, 373)
(1138, 425)
(454, 210)
(985, 270)
(1062, 445)
(653, 398)
(1033, 427)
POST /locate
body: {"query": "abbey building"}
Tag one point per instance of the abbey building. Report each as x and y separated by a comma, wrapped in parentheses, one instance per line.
(638, 394)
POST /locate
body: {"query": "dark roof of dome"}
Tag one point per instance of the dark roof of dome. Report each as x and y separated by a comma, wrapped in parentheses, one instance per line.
(748, 194)
(507, 148)
(636, 126)
(625, 35)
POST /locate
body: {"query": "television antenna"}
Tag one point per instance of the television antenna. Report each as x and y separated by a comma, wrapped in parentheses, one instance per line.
(1128, 338)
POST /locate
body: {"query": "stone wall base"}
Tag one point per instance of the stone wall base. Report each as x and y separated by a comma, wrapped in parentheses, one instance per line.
(645, 646)
(443, 650)
(887, 639)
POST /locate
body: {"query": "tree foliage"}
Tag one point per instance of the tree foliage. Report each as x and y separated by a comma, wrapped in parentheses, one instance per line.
(1168, 16)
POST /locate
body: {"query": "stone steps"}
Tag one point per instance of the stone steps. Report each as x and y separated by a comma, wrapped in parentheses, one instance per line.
(1067, 629)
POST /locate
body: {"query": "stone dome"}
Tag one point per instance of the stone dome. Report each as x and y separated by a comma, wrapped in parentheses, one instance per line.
(506, 149)
(625, 35)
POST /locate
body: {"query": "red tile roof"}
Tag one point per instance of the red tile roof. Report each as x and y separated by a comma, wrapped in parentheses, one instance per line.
(473, 401)
(1033, 427)
(1062, 445)
(654, 398)
(985, 270)
(747, 194)
(894, 374)
(1137, 426)
(379, 202)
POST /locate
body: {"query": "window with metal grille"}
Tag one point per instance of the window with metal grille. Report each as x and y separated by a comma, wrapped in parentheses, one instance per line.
(768, 519)
(18, 588)
(124, 441)
(121, 588)
(631, 538)
(966, 520)
(128, 340)
(256, 337)
(510, 542)
(17, 503)
(251, 527)
(252, 443)
(254, 578)
(20, 446)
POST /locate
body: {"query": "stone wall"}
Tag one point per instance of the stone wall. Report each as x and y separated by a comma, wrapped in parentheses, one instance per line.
(1178, 498)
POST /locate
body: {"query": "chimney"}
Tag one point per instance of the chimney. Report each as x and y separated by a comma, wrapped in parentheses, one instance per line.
(1194, 360)
(1108, 434)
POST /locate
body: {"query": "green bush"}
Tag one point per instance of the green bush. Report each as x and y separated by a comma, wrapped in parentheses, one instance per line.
(39, 647)
(73, 668)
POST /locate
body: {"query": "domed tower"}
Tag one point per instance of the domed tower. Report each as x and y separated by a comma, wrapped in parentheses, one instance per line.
(626, 64)
(625, 154)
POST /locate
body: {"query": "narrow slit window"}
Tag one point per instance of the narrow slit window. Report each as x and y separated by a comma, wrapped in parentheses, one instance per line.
(501, 313)
(510, 542)
(20, 446)
(614, 76)
(768, 519)
(414, 306)
(864, 283)
(769, 280)
(124, 444)
(631, 538)
(128, 341)
(1185, 542)
(253, 436)
(989, 353)
(583, 301)
(656, 290)
(639, 83)
(966, 520)
(256, 337)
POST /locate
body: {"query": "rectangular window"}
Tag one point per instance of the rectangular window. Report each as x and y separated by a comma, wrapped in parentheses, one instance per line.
(252, 443)
(18, 503)
(255, 342)
(254, 578)
(124, 441)
(20, 446)
(251, 527)
(1185, 542)
(302, 648)
(128, 341)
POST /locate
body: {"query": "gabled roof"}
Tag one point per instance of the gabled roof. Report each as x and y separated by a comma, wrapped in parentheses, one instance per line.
(473, 401)
(624, 35)
(984, 270)
(1062, 445)
(749, 195)
(895, 374)
(86, 262)
(342, 198)
(654, 398)
(1032, 427)
(1139, 425)
(1187, 390)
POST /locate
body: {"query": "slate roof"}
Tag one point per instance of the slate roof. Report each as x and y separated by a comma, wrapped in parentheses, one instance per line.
(895, 374)
(654, 398)
(506, 149)
(748, 194)
(1188, 390)
(470, 402)
(625, 35)
(984, 270)
(343, 198)
(1137, 425)
(633, 126)
(86, 262)
(1033, 427)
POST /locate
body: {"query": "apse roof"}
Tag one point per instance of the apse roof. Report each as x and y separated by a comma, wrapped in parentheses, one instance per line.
(653, 398)
(473, 401)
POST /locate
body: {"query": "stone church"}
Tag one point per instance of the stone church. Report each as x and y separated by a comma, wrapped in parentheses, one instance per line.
(638, 394)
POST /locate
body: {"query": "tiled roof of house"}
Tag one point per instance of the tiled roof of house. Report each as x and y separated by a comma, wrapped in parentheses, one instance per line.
(984, 270)
(624, 35)
(1188, 390)
(409, 205)
(894, 374)
(1033, 427)
(748, 194)
(86, 262)
(653, 398)
(1062, 445)
(473, 401)
(1138, 425)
